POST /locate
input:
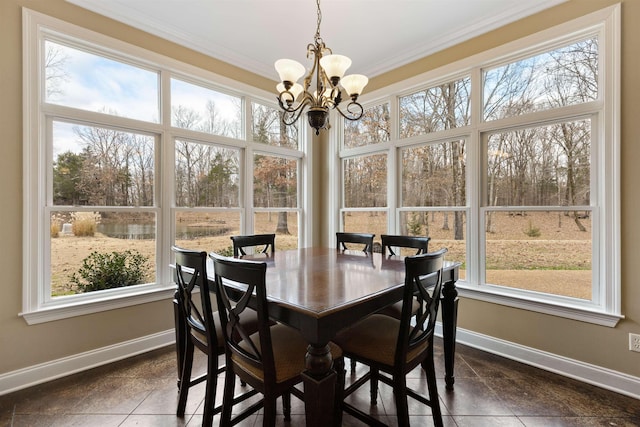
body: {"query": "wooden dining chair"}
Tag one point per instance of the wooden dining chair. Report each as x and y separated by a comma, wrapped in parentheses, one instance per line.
(420, 244)
(365, 239)
(268, 241)
(389, 241)
(198, 326)
(393, 347)
(270, 360)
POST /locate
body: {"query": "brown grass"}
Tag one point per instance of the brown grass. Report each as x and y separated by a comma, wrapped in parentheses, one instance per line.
(558, 261)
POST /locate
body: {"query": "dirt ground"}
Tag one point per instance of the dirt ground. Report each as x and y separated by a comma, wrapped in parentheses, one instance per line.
(556, 261)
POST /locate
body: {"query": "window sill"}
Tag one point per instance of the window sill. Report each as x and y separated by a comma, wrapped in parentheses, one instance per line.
(588, 314)
(75, 308)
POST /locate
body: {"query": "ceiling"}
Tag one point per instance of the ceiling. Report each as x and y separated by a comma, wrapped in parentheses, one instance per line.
(378, 35)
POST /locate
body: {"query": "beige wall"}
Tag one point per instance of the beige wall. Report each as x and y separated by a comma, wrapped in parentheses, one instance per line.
(23, 346)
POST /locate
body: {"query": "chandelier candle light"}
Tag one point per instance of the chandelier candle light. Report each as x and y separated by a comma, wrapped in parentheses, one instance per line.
(327, 76)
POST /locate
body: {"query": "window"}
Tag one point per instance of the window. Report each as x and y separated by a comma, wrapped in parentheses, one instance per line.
(373, 128)
(275, 197)
(538, 215)
(519, 184)
(207, 195)
(437, 108)
(205, 110)
(267, 127)
(432, 180)
(139, 152)
(365, 194)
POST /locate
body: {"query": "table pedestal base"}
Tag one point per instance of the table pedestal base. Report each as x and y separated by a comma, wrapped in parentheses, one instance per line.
(320, 387)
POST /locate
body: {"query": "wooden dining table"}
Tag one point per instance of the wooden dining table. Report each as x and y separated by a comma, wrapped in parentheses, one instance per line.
(320, 291)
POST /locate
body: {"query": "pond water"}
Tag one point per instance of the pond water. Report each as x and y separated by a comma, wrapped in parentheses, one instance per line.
(139, 231)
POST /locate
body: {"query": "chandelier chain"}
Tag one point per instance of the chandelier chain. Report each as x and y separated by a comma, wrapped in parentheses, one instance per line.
(317, 36)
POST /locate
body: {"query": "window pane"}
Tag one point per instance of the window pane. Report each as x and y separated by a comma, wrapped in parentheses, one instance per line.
(275, 182)
(93, 251)
(542, 166)
(268, 128)
(207, 231)
(372, 128)
(205, 110)
(434, 175)
(206, 175)
(78, 79)
(561, 77)
(446, 229)
(438, 108)
(365, 181)
(284, 224)
(365, 222)
(102, 167)
(546, 252)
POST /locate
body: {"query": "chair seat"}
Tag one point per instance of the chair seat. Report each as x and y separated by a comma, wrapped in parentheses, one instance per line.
(200, 336)
(395, 310)
(250, 319)
(289, 349)
(374, 338)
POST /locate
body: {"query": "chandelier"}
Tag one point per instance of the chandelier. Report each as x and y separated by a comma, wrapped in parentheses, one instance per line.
(325, 78)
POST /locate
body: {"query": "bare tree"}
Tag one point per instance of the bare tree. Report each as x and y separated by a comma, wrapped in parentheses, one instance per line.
(54, 66)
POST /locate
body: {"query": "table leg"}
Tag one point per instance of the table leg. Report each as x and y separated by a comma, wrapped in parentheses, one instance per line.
(449, 326)
(319, 386)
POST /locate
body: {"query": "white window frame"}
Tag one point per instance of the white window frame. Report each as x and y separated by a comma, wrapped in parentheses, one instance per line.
(605, 308)
(38, 306)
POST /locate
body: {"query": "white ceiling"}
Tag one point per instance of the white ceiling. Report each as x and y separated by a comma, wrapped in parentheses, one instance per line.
(378, 35)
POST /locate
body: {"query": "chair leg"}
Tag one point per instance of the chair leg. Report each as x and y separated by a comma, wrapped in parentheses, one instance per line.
(227, 397)
(373, 383)
(286, 405)
(210, 393)
(353, 366)
(338, 365)
(181, 335)
(400, 396)
(432, 386)
(269, 419)
(185, 378)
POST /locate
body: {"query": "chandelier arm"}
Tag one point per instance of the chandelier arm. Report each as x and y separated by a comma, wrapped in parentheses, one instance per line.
(293, 114)
(287, 109)
(354, 111)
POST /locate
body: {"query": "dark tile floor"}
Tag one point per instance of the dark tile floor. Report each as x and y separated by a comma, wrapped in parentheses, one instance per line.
(489, 391)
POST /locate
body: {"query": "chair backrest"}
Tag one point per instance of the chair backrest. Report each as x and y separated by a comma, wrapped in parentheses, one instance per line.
(421, 243)
(248, 279)
(423, 273)
(363, 238)
(241, 242)
(191, 277)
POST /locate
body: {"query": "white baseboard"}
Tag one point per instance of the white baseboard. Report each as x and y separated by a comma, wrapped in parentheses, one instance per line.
(591, 374)
(37, 374)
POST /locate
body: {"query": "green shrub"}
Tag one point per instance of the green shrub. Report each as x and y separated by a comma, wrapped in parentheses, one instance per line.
(106, 271)
(228, 251)
(414, 226)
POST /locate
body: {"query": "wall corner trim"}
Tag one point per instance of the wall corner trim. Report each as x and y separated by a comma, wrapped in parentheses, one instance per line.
(43, 372)
(598, 376)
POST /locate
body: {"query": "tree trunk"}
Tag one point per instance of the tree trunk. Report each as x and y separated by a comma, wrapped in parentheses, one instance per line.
(283, 227)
